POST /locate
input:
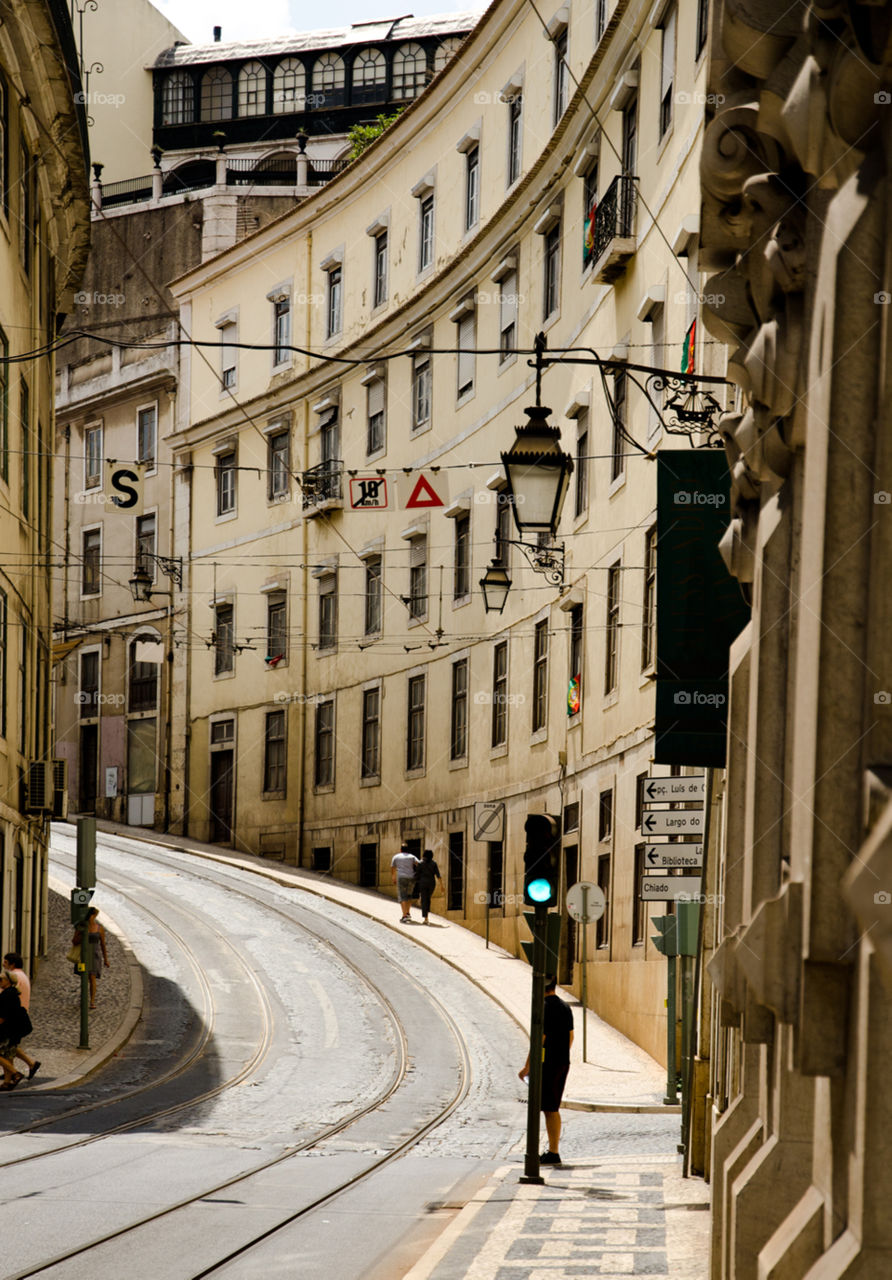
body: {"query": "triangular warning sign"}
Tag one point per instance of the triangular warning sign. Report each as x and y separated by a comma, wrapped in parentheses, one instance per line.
(423, 495)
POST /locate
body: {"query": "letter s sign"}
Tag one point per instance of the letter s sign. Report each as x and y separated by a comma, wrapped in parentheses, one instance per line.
(119, 483)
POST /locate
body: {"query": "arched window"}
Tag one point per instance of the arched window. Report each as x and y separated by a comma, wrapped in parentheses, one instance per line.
(289, 87)
(216, 94)
(178, 99)
(328, 74)
(369, 68)
(445, 51)
(252, 89)
(409, 71)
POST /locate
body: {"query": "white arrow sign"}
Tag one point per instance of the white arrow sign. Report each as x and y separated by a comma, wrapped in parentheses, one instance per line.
(670, 888)
(662, 789)
(672, 822)
(672, 855)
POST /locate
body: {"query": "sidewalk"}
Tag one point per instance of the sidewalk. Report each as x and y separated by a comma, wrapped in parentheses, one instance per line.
(607, 1216)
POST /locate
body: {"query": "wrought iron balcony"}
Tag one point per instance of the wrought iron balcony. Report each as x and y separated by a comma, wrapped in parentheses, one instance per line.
(614, 236)
(322, 487)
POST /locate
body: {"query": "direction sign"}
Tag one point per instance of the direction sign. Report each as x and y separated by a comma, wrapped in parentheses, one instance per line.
(672, 822)
(586, 901)
(670, 888)
(663, 789)
(489, 820)
(672, 855)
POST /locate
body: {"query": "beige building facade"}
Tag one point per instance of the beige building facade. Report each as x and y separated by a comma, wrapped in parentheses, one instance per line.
(795, 229)
(44, 216)
(343, 687)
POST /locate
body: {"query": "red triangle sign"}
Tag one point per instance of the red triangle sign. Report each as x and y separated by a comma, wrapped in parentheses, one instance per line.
(423, 495)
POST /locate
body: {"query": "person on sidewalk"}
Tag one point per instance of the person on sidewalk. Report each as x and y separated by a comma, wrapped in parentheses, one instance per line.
(403, 866)
(12, 963)
(557, 1038)
(14, 1024)
(426, 881)
(98, 955)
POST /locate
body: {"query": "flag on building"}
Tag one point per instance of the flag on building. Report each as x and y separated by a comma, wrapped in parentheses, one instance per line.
(687, 351)
(574, 701)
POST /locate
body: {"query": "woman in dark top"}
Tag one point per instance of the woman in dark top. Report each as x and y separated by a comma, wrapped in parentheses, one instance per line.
(14, 1024)
(426, 879)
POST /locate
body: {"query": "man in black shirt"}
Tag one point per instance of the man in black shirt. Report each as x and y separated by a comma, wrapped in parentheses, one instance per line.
(557, 1038)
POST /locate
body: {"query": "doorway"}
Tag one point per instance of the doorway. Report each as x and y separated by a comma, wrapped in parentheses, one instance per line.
(221, 796)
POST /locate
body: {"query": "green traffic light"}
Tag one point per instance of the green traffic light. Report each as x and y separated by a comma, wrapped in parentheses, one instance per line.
(539, 890)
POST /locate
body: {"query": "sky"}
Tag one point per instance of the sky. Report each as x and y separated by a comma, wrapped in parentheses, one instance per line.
(261, 18)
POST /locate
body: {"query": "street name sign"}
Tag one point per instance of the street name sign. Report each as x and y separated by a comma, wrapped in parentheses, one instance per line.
(585, 901)
(670, 888)
(672, 855)
(672, 822)
(663, 789)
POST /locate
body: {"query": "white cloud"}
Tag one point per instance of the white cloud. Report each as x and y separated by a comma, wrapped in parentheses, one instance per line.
(197, 18)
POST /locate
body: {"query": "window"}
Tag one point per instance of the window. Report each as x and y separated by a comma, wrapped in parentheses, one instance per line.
(561, 76)
(4, 353)
(640, 784)
(667, 70)
(602, 930)
(467, 341)
(507, 315)
(274, 753)
(472, 187)
(91, 581)
(143, 682)
(458, 737)
(415, 725)
(496, 874)
(26, 207)
(333, 309)
(289, 87)
(605, 815)
(418, 577)
(88, 696)
(276, 628)
(445, 51)
(589, 213)
(612, 629)
(178, 99)
(224, 639)
(373, 596)
(502, 537)
(639, 908)
(421, 390)
(281, 330)
(600, 18)
(461, 587)
(515, 115)
(324, 742)
(146, 533)
(278, 464)
(147, 436)
(702, 26)
(499, 734)
(228, 354)
(371, 733)
(649, 611)
(380, 269)
(92, 457)
(369, 75)
(330, 443)
(576, 644)
(581, 504)
(328, 78)
(27, 456)
(376, 419)
(252, 89)
(630, 136)
(4, 650)
(328, 611)
(617, 461)
(426, 228)
(226, 476)
(456, 873)
(552, 291)
(409, 71)
(216, 94)
(540, 675)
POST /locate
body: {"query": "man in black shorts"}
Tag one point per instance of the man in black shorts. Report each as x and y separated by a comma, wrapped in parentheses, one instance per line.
(557, 1038)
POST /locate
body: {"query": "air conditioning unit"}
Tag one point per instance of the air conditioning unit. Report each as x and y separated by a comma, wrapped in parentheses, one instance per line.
(39, 787)
(60, 789)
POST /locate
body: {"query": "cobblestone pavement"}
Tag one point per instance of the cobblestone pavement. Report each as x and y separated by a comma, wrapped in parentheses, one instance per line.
(55, 1002)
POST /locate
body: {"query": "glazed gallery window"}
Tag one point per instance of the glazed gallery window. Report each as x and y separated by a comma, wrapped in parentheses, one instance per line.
(289, 87)
(216, 94)
(274, 753)
(252, 89)
(409, 71)
(178, 99)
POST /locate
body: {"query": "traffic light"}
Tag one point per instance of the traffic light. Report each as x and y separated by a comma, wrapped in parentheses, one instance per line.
(667, 942)
(541, 859)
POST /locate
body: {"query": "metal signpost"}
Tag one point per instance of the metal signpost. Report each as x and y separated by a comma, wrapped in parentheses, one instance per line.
(585, 903)
(80, 903)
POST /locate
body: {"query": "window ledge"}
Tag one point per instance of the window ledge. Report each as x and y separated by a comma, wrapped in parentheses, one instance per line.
(610, 699)
(227, 515)
(272, 795)
(539, 735)
(495, 753)
(370, 782)
(616, 485)
(458, 764)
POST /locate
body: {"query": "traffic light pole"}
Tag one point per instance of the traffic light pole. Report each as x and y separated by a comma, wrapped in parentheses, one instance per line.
(671, 1069)
(80, 903)
(537, 1031)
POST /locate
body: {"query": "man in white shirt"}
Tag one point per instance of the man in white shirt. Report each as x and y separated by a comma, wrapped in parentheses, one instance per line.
(403, 866)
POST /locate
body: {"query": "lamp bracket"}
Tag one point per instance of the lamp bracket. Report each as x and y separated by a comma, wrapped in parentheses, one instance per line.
(545, 560)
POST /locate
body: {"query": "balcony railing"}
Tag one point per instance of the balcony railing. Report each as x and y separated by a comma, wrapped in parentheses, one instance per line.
(245, 173)
(239, 173)
(127, 192)
(322, 484)
(322, 171)
(614, 236)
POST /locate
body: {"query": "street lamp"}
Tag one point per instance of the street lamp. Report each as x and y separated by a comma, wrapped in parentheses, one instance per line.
(538, 473)
(141, 582)
(495, 585)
